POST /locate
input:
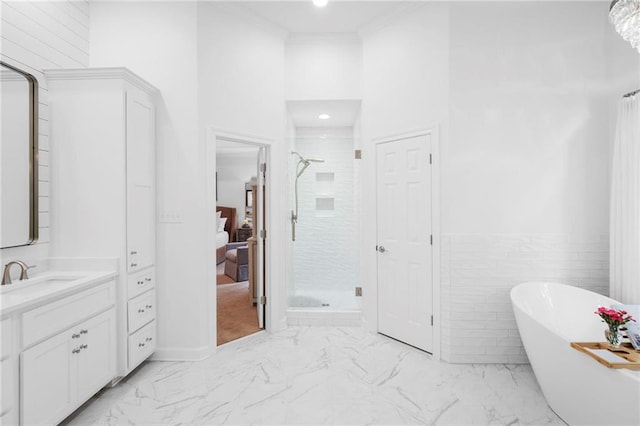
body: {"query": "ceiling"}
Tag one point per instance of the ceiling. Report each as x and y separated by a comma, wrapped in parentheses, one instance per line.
(305, 113)
(337, 17)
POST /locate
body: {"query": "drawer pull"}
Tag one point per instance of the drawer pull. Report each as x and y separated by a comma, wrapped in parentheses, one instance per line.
(140, 345)
(84, 346)
(75, 351)
(84, 331)
(140, 311)
(134, 252)
(149, 339)
(75, 336)
(140, 282)
(149, 306)
(133, 265)
(147, 279)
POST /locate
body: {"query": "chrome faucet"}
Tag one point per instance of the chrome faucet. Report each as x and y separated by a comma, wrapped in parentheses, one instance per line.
(6, 276)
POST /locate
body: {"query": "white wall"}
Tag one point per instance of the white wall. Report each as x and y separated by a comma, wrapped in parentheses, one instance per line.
(233, 171)
(38, 36)
(525, 179)
(158, 41)
(327, 66)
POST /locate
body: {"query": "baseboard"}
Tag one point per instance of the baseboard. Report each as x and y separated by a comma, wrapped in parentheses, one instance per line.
(182, 354)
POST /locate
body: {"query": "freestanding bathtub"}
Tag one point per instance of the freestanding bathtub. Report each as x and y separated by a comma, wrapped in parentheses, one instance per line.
(579, 389)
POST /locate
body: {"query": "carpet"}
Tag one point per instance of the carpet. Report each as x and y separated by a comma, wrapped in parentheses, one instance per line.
(224, 279)
(236, 316)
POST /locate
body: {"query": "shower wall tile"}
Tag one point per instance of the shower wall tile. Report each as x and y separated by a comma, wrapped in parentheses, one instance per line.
(478, 272)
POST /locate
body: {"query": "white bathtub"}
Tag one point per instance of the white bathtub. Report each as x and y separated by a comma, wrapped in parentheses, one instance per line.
(577, 388)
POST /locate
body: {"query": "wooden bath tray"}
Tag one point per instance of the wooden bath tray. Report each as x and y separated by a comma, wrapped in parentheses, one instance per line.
(601, 352)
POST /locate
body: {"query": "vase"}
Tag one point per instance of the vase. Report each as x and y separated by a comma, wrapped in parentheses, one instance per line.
(614, 338)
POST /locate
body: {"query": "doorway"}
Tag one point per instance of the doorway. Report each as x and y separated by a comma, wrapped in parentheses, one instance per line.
(238, 282)
(405, 255)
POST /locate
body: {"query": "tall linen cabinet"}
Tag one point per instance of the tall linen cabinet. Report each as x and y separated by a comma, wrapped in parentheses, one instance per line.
(102, 177)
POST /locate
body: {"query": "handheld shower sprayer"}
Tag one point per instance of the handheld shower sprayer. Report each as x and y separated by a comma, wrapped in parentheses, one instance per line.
(305, 162)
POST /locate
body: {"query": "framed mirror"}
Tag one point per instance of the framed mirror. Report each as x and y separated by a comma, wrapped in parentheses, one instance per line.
(18, 157)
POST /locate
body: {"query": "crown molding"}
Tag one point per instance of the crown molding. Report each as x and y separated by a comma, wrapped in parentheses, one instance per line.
(115, 73)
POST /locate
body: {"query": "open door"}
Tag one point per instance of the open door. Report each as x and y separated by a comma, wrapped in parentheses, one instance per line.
(260, 236)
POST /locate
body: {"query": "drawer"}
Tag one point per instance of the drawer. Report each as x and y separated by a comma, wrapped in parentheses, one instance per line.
(142, 344)
(141, 310)
(53, 317)
(141, 282)
(6, 336)
(6, 386)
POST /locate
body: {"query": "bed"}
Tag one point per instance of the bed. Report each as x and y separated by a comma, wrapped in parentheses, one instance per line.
(225, 234)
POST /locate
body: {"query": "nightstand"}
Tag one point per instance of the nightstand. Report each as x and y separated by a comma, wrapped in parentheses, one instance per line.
(243, 234)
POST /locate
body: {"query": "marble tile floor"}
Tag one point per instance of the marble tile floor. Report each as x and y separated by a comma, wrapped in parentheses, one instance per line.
(320, 375)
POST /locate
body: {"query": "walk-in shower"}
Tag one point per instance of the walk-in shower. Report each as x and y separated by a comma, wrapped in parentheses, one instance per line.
(304, 162)
(325, 207)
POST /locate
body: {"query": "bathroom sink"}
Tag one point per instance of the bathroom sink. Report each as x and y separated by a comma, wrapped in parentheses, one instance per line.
(38, 284)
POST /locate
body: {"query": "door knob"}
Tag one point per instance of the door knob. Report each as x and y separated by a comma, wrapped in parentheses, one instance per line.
(381, 249)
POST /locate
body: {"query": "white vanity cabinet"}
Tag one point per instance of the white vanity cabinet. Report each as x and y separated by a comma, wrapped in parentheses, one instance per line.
(103, 149)
(61, 373)
(8, 373)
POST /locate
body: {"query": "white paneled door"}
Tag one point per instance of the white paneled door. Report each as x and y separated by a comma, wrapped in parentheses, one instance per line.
(404, 251)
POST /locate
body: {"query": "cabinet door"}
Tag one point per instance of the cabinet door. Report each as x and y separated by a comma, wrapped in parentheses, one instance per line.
(96, 360)
(48, 379)
(141, 217)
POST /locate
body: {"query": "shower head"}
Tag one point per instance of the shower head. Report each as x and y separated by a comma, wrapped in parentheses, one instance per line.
(306, 162)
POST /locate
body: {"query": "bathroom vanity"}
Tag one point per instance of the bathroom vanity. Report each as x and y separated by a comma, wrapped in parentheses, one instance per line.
(103, 177)
(58, 344)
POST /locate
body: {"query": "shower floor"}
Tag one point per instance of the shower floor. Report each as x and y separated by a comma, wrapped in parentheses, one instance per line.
(331, 300)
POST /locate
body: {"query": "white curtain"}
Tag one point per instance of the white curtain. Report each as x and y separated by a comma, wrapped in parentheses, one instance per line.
(624, 284)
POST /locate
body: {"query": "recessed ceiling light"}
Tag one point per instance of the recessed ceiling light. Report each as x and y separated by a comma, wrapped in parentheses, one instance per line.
(320, 3)
(324, 116)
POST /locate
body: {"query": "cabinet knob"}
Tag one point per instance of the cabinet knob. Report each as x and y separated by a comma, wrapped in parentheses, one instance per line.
(75, 336)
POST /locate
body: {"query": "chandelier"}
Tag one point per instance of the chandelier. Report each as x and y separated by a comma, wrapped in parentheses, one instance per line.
(625, 17)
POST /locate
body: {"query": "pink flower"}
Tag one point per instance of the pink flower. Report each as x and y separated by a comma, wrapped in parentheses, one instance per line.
(613, 317)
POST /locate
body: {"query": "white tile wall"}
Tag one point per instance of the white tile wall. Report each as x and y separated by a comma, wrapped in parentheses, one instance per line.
(39, 35)
(478, 272)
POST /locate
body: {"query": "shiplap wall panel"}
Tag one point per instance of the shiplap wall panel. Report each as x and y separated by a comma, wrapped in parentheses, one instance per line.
(37, 36)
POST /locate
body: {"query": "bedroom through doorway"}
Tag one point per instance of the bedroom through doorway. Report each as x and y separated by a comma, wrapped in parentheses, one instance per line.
(240, 212)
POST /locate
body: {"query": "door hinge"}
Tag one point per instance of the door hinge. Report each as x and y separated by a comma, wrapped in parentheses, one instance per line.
(431, 320)
(430, 159)
(263, 234)
(431, 239)
(358, 154)
(376, 248)
(263, 300)
(263, 167)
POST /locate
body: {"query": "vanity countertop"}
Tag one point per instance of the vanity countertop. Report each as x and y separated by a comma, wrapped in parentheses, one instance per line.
(47, 287)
